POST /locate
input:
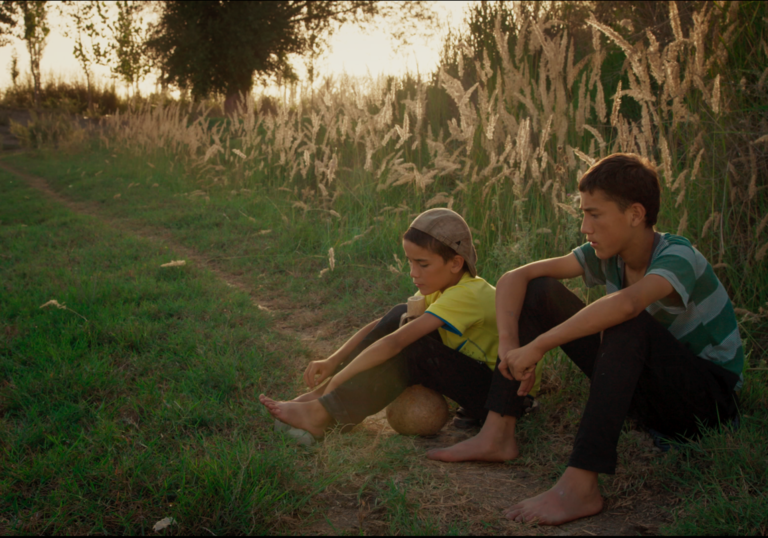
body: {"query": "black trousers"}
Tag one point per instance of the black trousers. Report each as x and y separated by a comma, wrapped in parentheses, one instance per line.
(428, 362)
(639, 370)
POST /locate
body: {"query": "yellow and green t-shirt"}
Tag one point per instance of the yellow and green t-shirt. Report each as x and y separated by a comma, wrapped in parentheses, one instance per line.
(468, 311)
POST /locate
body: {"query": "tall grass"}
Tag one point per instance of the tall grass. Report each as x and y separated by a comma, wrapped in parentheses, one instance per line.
(508, 158)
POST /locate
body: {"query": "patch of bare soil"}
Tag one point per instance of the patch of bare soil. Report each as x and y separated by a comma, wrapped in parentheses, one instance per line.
(477, 493)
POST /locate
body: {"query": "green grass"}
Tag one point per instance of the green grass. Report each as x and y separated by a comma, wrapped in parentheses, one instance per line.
(148, 409)
(138, 401)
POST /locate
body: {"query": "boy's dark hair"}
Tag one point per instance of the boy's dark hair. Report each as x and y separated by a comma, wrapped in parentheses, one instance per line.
(626, 178)
(426, 241)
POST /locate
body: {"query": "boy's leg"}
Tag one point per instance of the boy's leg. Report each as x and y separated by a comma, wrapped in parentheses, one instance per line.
(645, 372)
(428, 362)
(388, 324)
(547, 304)
(641, 371)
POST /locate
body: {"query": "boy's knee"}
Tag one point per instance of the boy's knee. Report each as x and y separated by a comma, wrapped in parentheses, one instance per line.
(539, 289)
(630, 329)
(392, 318)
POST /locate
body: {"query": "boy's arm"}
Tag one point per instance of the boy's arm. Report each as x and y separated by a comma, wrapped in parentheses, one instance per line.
(386, 348)
(318, 371)
(343, 352)
(511, 289)
(604, 313)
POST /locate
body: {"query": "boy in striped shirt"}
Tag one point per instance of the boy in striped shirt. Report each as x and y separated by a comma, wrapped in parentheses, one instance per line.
(662, 346)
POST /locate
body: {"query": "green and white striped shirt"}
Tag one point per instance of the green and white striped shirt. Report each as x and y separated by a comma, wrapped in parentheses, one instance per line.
(705, 322)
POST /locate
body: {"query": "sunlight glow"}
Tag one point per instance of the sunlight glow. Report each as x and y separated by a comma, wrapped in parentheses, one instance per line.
(352, 51)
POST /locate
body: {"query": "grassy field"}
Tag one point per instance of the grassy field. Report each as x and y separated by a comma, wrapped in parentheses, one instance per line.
(137, 401)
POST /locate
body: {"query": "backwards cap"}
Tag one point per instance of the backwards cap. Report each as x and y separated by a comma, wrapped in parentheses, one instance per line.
(450, 229)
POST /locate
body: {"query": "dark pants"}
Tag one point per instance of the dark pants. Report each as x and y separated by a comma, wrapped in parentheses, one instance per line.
(427, 362)
(638, 370)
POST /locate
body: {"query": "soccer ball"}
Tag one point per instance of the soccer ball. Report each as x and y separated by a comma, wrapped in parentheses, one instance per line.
(418, 411)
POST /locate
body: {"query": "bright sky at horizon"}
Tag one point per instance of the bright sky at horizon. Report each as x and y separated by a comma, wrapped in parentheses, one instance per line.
(352, 51)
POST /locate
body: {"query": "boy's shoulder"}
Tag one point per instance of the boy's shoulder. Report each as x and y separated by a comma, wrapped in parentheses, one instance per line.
(473, 284)
(469, 287)
(673, 246)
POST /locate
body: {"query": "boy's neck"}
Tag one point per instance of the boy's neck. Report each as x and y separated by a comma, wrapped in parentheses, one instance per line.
(454, 281)
(637, 253)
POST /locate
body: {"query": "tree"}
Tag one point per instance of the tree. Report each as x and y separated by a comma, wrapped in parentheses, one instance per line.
(86, 22)
(218, 46)
(36, 30)
(8, 14)
(130, 58)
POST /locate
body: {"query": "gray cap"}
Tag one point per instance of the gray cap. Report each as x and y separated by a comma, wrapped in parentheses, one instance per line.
(450, 229)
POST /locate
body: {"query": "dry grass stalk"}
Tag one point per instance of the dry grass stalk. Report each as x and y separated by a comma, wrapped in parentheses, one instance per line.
(760, 254)
(174, 263)
(61, 306)
(683, 223)
(761, 226)
(712, 221)
(753, 172)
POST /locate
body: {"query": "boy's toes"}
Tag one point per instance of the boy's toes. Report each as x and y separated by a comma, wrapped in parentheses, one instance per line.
(269, 403)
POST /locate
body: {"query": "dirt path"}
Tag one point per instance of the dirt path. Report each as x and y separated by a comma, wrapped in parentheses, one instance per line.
(478, 492)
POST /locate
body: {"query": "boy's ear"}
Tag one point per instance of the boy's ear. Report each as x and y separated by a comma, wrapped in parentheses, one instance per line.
(637, 214)
(457, 264)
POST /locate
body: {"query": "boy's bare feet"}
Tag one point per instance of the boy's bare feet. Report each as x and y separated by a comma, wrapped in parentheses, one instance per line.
(310, 416)
(495, 442)
(575, 495)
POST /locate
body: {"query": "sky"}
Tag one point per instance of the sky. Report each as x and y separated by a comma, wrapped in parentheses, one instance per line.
(351, 51)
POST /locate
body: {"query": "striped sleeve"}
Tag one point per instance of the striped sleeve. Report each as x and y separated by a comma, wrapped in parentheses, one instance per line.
(677, 265)
(594, 272)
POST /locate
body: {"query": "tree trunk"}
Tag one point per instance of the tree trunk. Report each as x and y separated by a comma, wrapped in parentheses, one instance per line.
(236, 97)
(34, 67)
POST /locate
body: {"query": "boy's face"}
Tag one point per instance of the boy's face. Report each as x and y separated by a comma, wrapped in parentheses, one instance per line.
(609, 229)
(430, 273)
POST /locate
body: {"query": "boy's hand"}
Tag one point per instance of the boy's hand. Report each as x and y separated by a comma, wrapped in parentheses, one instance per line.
(520, 364)
(317, 372)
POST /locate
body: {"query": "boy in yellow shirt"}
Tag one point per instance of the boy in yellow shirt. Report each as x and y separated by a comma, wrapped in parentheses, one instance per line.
(452, 349)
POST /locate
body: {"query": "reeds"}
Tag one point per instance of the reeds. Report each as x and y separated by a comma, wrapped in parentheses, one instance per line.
(521, 137)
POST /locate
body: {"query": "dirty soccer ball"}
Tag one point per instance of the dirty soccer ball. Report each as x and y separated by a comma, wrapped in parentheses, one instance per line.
(418, 411)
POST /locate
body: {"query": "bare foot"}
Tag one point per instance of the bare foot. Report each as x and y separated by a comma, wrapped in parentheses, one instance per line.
(495, 442)
(575, 495)
(309, 416)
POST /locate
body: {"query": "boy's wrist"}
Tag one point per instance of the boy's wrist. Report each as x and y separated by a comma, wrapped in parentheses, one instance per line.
(508, 338)
(541, 344)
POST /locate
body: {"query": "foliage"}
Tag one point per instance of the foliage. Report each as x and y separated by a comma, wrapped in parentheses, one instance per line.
(518, 138)
(13, 68)
(70, 96)
(7, 20)
(129, 56)
(217, 47)
(34, 15)
(48, 130)
(86, 19)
